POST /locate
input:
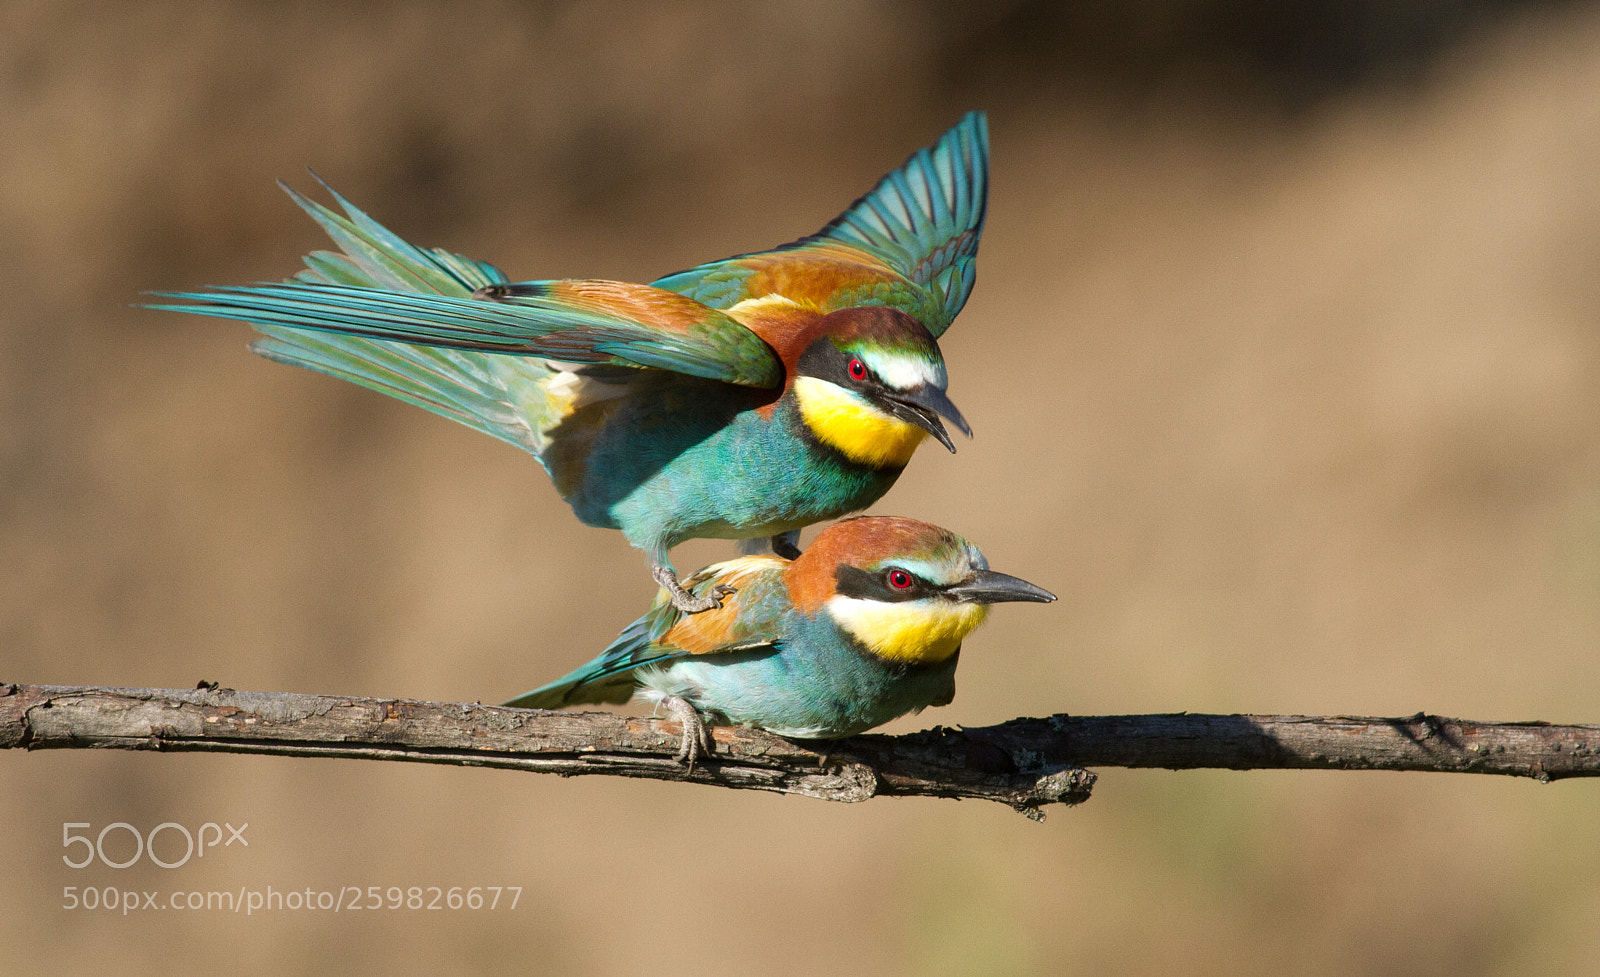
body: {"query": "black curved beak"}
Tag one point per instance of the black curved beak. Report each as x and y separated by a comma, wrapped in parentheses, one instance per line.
(989, 587)
(923, 406)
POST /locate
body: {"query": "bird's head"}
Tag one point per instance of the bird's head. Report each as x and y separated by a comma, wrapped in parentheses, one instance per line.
(905, 591)
(870, 382)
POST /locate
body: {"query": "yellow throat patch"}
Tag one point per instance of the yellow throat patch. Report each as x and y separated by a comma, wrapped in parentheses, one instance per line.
(916, 632)
(849, 423)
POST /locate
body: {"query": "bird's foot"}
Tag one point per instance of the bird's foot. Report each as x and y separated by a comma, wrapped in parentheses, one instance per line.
(786, 545)
(685, 601)
(696, 734)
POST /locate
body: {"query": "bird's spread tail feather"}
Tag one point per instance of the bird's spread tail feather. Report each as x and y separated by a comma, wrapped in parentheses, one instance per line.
(506, 397)
(609, 678)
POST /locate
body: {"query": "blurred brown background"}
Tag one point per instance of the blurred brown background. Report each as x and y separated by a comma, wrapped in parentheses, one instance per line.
(1284, 363)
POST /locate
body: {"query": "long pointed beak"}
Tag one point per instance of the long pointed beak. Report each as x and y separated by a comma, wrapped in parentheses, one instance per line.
(989, 587)
(923, 406)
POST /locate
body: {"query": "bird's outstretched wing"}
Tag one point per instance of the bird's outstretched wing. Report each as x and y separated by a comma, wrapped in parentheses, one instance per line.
(911, 243)
(382, 288)
(747, 621)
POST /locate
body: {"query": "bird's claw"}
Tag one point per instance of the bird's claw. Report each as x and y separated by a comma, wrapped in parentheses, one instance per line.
(690, 604)
(683, 600)
(697, 740)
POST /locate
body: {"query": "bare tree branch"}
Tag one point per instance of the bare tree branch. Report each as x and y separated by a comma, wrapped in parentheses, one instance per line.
(1024, 763)
(1191, 741)
(565, 743)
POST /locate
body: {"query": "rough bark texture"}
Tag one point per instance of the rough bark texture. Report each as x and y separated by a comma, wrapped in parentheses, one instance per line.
(937, 764)
(1024, 763)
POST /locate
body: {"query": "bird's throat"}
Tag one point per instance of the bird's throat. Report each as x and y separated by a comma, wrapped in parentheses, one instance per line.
(855, 427)
(919, 632)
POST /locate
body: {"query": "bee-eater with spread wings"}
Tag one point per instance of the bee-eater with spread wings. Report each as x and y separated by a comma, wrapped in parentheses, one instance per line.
(742, 399)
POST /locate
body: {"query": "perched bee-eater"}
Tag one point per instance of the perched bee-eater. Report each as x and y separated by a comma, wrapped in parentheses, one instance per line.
(863, 627)
(742, 399)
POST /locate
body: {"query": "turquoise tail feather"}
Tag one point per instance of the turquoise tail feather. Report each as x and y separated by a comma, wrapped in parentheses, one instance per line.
(504, 397)
(607, 679)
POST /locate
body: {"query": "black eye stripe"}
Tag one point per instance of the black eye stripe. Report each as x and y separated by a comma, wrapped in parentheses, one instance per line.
(825, 361)
(855, 582)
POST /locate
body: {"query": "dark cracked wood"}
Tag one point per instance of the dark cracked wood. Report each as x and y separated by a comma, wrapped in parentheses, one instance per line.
(1187, 741)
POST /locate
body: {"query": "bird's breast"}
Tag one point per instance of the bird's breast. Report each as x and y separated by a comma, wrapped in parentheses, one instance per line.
(814, 683)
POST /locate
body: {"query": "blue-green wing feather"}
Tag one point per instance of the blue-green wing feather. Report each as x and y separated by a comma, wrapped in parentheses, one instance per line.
(381, 288)
(926, 218)
(750, 621)
(531, 325)
(923, 221)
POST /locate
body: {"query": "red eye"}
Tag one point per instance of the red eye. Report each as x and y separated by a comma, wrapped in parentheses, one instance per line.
(858, 369)
(900, 580)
